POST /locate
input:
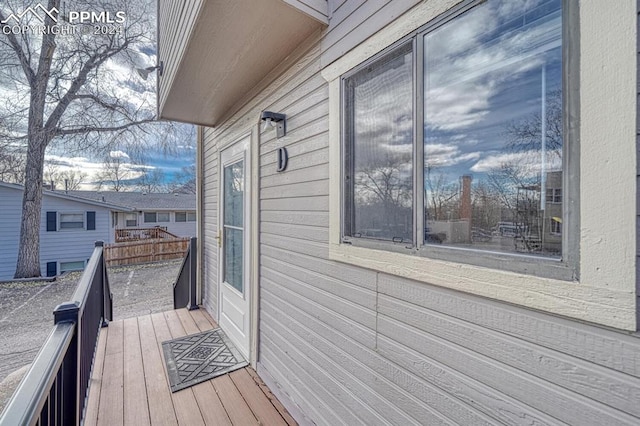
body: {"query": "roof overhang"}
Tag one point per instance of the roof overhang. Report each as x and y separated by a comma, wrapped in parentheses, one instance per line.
(232, 46)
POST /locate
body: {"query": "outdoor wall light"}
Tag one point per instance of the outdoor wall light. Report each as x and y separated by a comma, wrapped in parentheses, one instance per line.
(274, 119)
(144, 72)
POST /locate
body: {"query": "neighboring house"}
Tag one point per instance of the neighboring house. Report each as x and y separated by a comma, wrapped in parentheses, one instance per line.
(176, 212)
(324, 270)
(69, 228)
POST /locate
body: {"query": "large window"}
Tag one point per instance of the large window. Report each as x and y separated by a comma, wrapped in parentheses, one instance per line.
(482, 167)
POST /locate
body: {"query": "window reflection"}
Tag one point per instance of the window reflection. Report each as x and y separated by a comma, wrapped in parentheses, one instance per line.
(493, 129)
(380, 184)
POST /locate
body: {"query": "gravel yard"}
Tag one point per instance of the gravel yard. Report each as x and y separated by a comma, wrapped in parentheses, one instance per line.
(26, 311)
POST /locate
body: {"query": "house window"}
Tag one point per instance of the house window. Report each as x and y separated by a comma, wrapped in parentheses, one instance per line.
(153, 217)
(71, 266)
(150, 217)
(452, 138)
(554, 195)
(185, 216)
(555, 226)
(71, 220)
(131, 219)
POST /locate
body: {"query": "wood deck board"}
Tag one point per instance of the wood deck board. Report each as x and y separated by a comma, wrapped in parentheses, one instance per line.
(136, 407)
(110, 411)
(95, 383)
(130, 384)
(160, 406)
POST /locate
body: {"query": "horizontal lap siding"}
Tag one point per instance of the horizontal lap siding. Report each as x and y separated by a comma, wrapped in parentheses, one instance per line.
(10, 215)
(210, 222)
(174, 40)
(348, 345)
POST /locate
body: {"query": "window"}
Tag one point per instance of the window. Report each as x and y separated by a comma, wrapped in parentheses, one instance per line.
(153, 217)
(131, 219)
(71, 220)
(185, 217)
(71, 266)
(150, 217)
(453, 138)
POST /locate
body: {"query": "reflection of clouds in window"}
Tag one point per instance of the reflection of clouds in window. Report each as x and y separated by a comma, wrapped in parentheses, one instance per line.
(381, 147)
(529, 160)
(441, 155)
(383, 109)
(468, 64)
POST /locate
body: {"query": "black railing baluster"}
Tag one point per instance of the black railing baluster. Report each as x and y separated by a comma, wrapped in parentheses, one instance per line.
(54, 391)
(184, 289)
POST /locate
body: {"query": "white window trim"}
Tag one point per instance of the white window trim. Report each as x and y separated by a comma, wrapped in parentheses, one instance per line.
(163, 221)
(84, 221)
(606, 290)
(60, 271)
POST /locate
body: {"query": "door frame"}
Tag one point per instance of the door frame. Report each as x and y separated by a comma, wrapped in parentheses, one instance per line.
(251, 231)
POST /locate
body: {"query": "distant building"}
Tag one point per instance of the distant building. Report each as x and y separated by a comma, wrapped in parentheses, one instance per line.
(69, 228)
(175, 212)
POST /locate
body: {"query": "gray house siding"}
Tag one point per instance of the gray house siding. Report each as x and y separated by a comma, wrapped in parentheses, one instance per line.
(55, 246)
(353, 21)
(209, 219)
(341, 344)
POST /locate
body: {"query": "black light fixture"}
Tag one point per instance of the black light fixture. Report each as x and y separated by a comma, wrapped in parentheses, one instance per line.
(144, 72)
(277, 120)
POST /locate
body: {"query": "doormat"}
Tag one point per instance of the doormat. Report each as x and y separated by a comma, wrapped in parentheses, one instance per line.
(199, 357)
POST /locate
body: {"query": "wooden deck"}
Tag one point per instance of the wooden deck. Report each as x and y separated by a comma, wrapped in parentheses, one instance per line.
(129, 384)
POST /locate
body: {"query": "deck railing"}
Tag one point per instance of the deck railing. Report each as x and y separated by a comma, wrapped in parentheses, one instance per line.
(137, 234)
(54, 390)
(184, 289)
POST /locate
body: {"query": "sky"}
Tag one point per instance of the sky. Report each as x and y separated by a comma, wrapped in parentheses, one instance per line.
(169, 148)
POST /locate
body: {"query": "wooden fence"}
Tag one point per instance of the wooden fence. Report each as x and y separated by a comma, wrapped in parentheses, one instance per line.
(151, 250)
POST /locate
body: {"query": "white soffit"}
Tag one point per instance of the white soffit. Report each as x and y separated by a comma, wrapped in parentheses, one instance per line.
(233, 46)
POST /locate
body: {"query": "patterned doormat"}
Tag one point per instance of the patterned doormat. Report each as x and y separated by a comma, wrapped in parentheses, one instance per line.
(199, 357)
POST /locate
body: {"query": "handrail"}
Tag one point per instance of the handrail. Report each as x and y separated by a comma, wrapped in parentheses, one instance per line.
(54, 390)
(136, 234)
(37, 385)
(184, 289)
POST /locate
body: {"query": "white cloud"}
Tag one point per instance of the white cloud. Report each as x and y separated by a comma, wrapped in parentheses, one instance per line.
(531, 161)
(119, 154)
(441, 155)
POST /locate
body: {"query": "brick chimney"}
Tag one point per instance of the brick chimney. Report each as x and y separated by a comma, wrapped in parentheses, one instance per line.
(465, 199)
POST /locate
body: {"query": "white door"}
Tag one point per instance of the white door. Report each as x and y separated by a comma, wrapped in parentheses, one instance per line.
(235, 289)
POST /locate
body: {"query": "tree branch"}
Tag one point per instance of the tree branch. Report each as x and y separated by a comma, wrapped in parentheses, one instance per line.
(24, 62)
(89, 129)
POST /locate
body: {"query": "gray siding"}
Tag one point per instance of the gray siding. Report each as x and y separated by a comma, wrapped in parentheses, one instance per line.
(210, 223)
(638, 171)
(59, 246)
(346, 345)
(174, 42)
(353, 21)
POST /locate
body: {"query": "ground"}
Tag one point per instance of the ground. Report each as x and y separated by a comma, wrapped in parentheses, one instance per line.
(26, 308)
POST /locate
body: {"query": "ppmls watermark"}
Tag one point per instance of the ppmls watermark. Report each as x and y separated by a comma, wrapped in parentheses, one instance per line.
(51, 21)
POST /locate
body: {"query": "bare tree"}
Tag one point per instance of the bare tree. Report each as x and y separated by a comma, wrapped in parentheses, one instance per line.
(65, 87)
(442, 195)
(184, 181)
(68, 180)
(12, 165)
(526, 134)
(115, 174)
(152, 180)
